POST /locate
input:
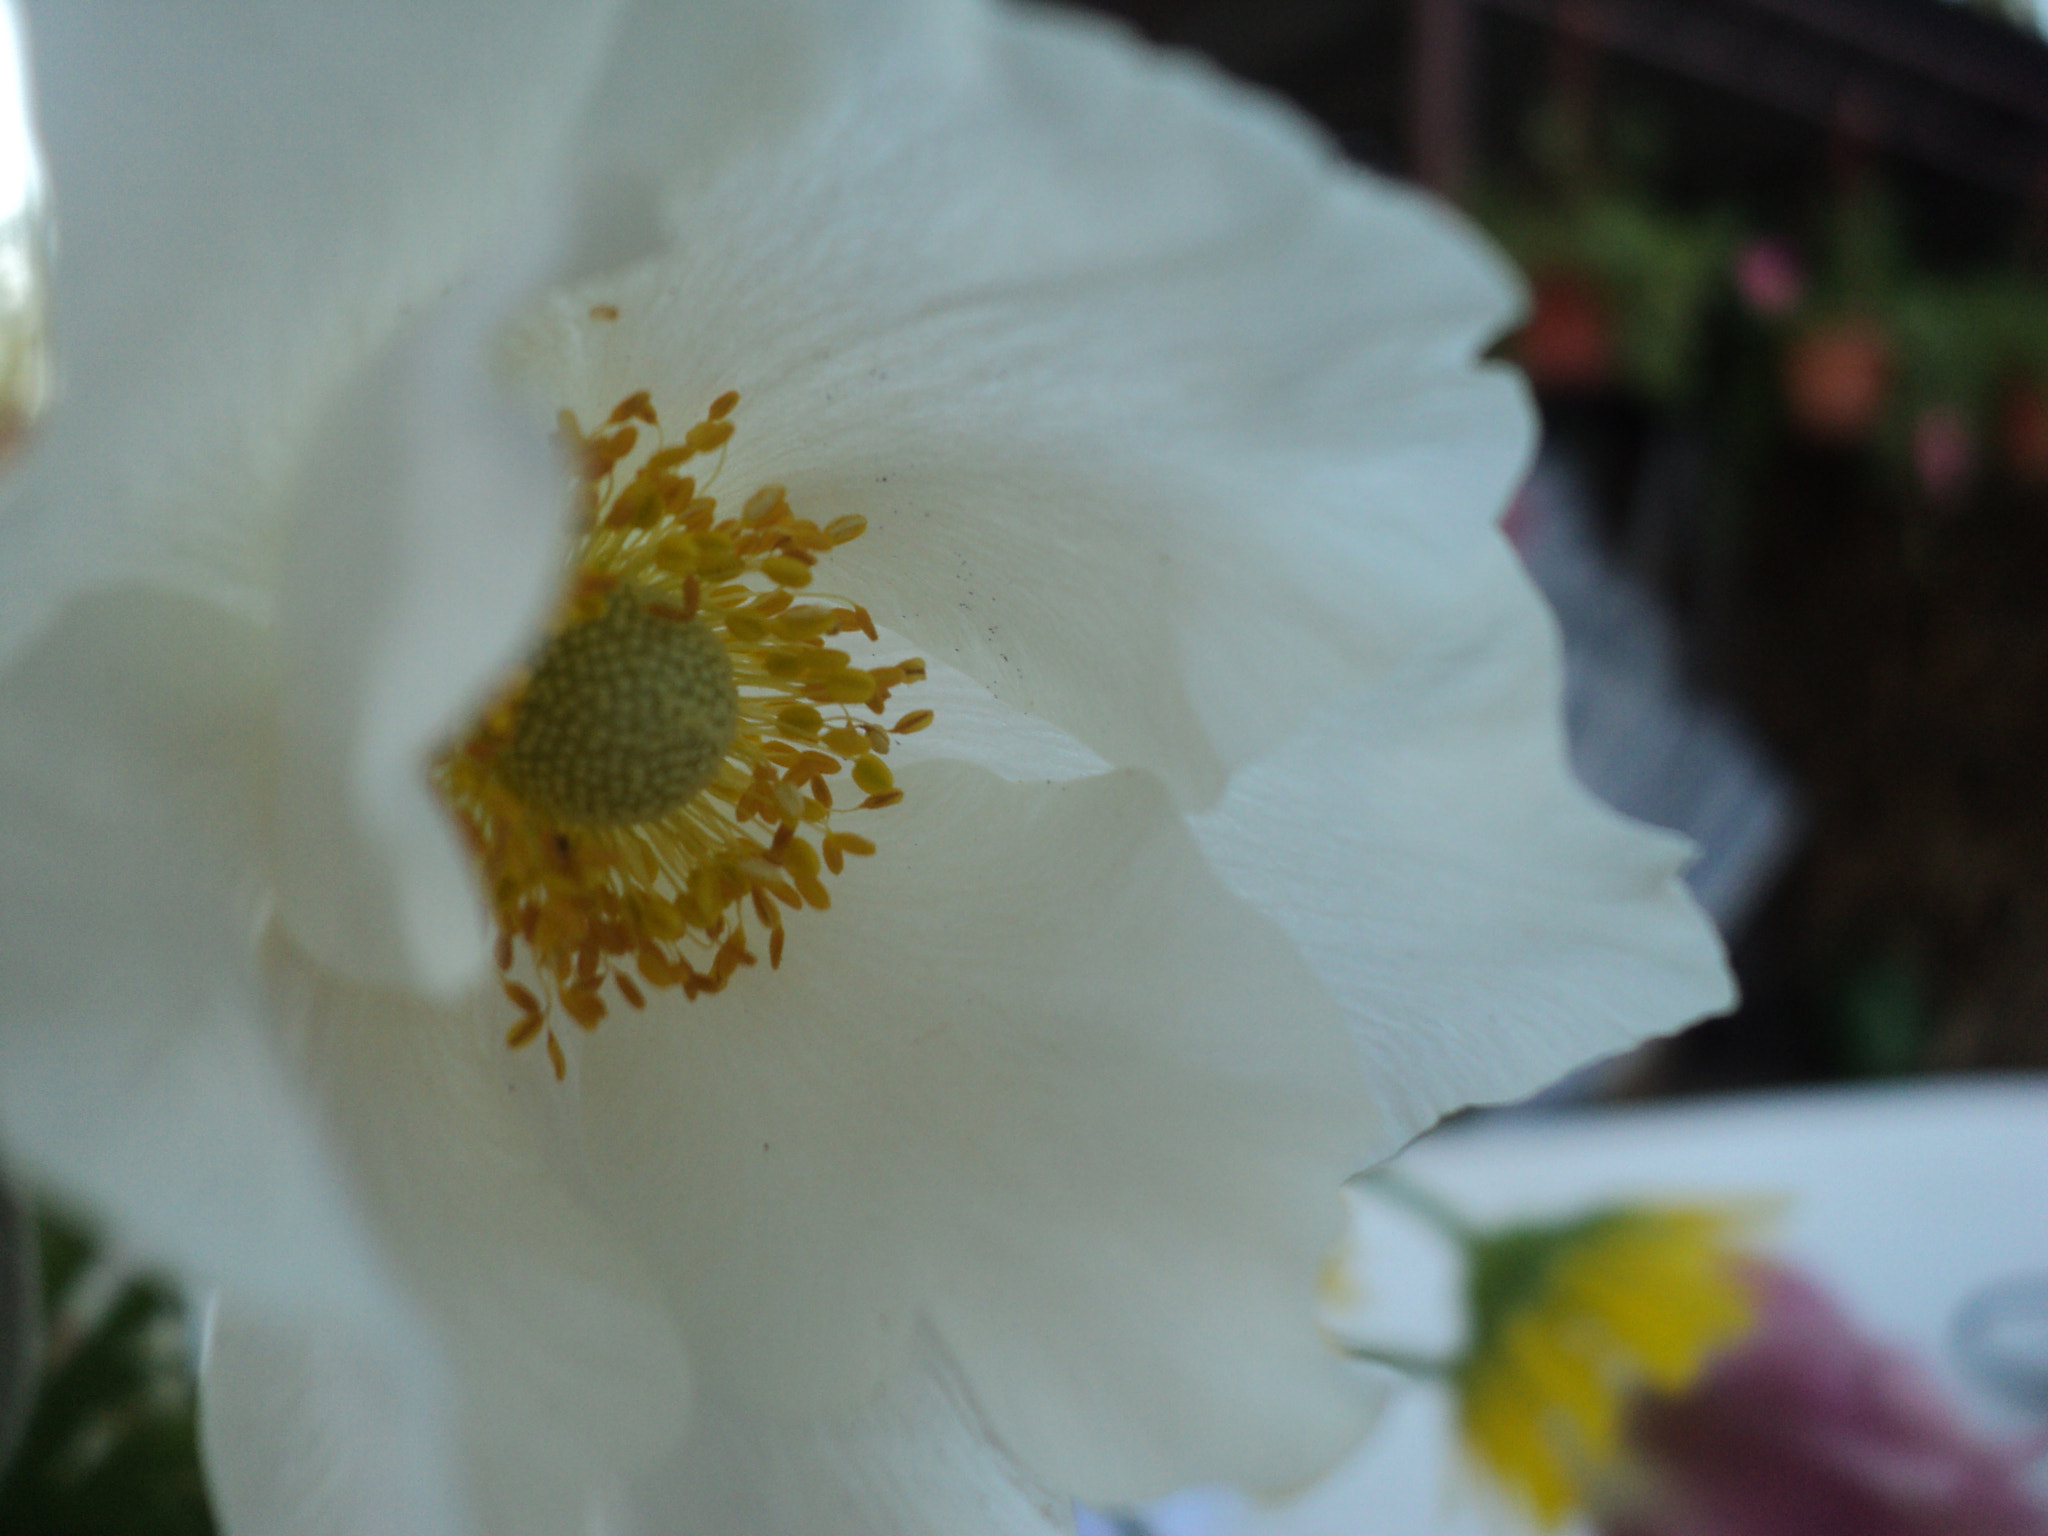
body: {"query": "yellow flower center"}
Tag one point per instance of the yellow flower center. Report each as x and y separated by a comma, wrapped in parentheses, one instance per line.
(660, 773)
(1571, 1320)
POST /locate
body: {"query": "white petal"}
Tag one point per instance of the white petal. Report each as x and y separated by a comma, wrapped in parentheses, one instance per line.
(1165, 424)
(1486, 924)
(689, 87)
(321, 1432)
(1037, 1079)
(424, 549)
(568, 1363)
(915, 1460)
(251, 202)
(971, 725)
(135, 1071)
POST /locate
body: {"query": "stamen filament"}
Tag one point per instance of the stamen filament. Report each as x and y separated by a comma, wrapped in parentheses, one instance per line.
(636, 794)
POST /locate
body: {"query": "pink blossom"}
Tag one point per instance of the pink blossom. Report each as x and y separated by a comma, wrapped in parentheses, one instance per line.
(1944, 454)
(1810, 1427)
(1769, 276)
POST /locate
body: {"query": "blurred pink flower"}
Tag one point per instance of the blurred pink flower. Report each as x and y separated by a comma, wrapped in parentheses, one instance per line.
(1769, 276)
(1810, 1427)
(1944, 454)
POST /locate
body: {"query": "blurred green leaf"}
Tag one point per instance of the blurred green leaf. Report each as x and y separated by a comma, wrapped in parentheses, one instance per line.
(112, 1445)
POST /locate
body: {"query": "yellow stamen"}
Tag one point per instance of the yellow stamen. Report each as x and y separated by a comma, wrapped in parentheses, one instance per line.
(656, 774)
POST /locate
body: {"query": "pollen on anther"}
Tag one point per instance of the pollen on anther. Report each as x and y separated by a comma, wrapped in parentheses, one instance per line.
(656, 778)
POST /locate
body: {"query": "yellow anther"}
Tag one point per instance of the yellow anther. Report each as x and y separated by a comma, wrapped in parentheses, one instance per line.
(807, 623)
(638, 406)
(761, 503)
(648, 785)
(800, 720)
(707, 435)
(636, 507)
(584, 1005)
(846, 740)
(523, 1032)
(850, 687)
(786, 570)
(872, 774)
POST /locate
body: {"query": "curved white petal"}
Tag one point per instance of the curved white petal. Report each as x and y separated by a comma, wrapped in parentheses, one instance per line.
(135, 1068)
(569, 1367)
(322, 1431)
(916, 1459)
(1486, 924)
(690, 87)
(1038, 1080)
(424, 550)
(251, 201)
(260, 352)
(1165, 425)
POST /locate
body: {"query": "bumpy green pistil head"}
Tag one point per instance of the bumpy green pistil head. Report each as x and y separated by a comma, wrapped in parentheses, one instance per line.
(627, 716)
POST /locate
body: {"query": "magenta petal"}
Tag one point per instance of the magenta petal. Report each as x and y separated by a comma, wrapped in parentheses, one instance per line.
(1811, 1427)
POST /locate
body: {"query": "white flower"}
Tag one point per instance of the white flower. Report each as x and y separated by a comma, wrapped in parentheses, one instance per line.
(1241, 849)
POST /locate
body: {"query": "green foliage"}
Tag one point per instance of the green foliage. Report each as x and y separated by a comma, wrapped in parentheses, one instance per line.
(1659, 272)
(1883, 1016)
(1508, 1271)
(1652, 301)
(1963, 338)
(112, 1446)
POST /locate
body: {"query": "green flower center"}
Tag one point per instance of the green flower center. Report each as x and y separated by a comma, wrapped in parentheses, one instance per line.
(626, 717)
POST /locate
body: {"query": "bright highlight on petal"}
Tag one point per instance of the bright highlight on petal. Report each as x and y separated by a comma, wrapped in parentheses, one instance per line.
(25, 372)
(1569, 1321)
(661, 767)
